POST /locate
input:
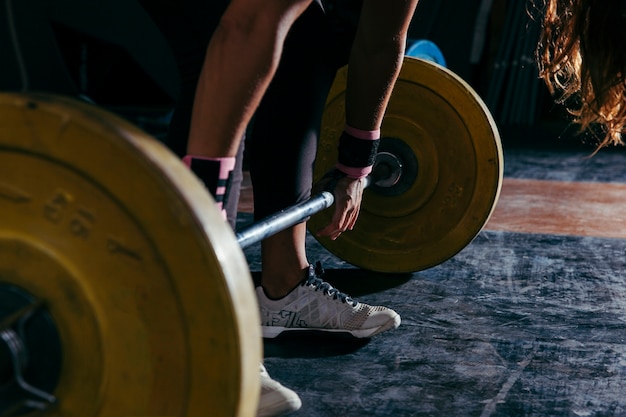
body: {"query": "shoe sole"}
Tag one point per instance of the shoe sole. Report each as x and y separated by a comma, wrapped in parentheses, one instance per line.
(278, 407)
(271, 332)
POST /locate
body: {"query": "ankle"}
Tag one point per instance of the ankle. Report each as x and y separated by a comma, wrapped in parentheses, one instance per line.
(277, 286)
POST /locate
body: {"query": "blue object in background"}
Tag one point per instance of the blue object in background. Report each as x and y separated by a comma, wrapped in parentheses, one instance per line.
(425, 49)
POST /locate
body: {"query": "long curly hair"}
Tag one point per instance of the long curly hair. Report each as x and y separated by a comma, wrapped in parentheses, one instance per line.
(581, 55)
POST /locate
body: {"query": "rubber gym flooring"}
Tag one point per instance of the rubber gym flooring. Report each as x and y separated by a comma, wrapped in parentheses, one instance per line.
(528, 320)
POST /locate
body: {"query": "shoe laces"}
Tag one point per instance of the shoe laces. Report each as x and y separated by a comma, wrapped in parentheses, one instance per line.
(315, 280)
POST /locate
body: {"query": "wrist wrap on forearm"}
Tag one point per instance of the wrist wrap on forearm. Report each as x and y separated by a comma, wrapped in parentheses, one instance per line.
(215, 173)
(357, 151)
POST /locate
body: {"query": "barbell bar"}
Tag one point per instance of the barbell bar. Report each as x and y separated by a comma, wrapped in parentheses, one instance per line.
(284, 219)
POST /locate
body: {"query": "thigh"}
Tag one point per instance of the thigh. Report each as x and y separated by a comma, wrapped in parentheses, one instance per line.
(284, 135)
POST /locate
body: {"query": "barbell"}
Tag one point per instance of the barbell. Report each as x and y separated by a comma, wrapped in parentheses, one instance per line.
(124, 293)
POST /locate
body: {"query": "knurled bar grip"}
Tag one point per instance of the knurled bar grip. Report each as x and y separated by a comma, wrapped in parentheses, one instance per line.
(286, 218)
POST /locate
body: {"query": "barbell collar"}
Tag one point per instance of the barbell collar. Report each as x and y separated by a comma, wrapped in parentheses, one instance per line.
(14, 360)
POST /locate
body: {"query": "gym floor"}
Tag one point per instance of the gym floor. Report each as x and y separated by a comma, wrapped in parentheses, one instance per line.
(528, 320)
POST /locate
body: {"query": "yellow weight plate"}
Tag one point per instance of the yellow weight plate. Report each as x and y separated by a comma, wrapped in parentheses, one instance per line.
(149, 290)
(450, 141)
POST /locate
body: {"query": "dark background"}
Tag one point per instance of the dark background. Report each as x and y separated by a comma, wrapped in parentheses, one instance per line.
(113, 54)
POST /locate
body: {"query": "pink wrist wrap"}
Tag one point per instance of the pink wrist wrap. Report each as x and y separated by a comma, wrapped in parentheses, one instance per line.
(216, 174)
(357, 151)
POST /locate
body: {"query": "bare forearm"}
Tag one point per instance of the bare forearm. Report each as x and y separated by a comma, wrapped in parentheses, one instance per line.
(376, 60)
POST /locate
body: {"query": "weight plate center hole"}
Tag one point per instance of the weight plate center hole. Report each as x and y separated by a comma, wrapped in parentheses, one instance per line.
(395, 169)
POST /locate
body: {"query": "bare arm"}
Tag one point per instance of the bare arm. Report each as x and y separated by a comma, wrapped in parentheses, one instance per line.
(375, 60)
(375, 63)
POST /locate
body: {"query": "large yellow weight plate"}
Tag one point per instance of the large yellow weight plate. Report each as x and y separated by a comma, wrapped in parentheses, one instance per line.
(457, 157)
(146, 283)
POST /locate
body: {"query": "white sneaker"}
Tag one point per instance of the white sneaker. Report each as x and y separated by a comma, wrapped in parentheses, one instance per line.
(316, 305)
(276, 399)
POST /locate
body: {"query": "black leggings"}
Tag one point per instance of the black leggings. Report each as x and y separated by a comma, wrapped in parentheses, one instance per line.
(282, 139)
